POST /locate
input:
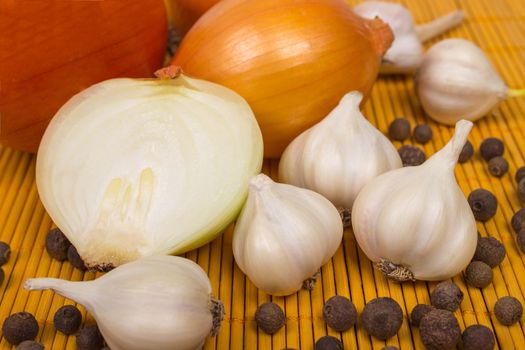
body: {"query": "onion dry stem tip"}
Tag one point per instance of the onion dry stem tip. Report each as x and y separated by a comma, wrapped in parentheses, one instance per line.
(396, 272)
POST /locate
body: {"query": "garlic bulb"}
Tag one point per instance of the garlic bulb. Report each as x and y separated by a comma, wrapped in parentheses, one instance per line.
(406, 52)
(414, 222)
(457, 81)
(137, 167)
(339, 155)
(158, 302)
(284, 234)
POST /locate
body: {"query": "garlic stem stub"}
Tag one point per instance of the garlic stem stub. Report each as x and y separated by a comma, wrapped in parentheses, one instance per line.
(457, 81)
(158, 302)
(284, 234)
(137, 167)
(415, 222)
(406, 52)
(339, 155)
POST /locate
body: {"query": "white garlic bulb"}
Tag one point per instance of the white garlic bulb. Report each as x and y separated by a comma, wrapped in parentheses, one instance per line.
(158, 302)
(406, 52)
(414, 222)
(339, 155)
(284, 234)
(456, 81)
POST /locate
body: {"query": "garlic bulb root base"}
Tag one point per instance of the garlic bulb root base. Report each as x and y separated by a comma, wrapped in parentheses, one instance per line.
(346, 216)
(217, 311)
(309, 283)
(396, 272)
(439, 25)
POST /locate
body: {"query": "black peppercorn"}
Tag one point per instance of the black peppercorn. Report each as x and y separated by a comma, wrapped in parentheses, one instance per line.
(418, 312)
(382, 317)
(491, 147)
(75, 259)
(30, 345)
(498, 166)
(478, 274)
(411, 155)
(67, 319)
(446, 296)
(466, 152)
(490, 251)
(478, 337)
(57, 244)
(483, 204)
(19, 327)
(521, 190)
(5, 252)
(518, 220)
(422, 133)
(328, 343)
(339, 313)
(269, 317)
(89, 338)
(439, 329)
(508, 310)
(399, 129)
(521, 240)
(520, 174)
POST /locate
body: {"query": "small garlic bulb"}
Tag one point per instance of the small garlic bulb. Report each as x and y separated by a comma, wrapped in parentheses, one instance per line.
(456, 81)
(284, 234)
(339, 155)
(158, 302)
(406, 52)
(414, 222)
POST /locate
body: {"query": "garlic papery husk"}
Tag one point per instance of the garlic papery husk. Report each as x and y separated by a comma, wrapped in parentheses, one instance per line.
(406, 52)
(456, 81)
(137, 167)
(158, 302)
(414, 222)
(284, 235)
(339, 155)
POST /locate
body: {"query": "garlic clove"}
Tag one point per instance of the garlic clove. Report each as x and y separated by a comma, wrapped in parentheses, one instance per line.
(339, 155)
(284, 234)
(456, 81)
(414, 222)
(159, 302)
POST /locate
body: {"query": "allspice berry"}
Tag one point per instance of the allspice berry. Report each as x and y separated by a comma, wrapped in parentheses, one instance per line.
(446, 296)
(521, 190)
(418, 312)
(5, 252)
(490, 250)
(439, 329)
(19, 327)
(339, 313)
(30, 345)
(478, 274)
(498, 166)
(422, 133)
(483, 204)
(508, 310)
(518, 220)
(478, 337)
(57, 244)
(520, 174)
(491, 147)
(399, 129)
(89, 338)
(269, 317)
(411, 155)
(520, 240)
(382, 317)
(67, 319)
(466, 152)
(328, 343)
(75, 259)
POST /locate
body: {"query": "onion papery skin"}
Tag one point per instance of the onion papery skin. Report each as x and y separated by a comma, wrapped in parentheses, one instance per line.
(51, 50)
(292, 60)
(131, 168)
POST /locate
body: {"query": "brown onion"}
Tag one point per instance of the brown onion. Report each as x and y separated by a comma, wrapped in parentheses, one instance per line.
(51, 50)
(292, 60)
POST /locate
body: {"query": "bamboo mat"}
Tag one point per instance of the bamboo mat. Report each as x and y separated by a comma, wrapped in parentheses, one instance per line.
(498, 27)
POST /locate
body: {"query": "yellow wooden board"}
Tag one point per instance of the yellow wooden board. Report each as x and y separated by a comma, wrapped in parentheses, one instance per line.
(498, 27)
